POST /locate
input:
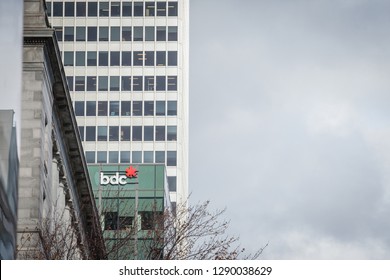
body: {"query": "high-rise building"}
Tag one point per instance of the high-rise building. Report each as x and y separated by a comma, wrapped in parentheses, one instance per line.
(126, 64)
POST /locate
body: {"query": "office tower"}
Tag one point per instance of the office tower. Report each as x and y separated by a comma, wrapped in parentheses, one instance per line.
(127, 69)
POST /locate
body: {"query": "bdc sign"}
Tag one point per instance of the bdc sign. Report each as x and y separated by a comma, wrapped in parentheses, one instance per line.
(117, 179)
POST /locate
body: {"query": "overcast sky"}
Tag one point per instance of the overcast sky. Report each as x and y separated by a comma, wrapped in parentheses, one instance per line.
(290, 123)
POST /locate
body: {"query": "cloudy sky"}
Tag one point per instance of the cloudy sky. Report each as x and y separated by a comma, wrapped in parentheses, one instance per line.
(290, 123)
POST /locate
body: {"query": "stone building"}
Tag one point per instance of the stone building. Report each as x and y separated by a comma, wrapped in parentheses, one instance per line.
(55, 194)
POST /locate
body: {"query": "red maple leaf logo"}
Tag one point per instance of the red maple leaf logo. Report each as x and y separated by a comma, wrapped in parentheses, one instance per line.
(131, 172)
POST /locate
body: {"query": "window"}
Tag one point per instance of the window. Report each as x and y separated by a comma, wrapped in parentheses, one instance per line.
(160, 108)
(171, 158)
(126, 33)
(148, 157)
(160, 58)
(160, 83)
(92, 33)
(172, 58)
(103, 58)
(69, 79)
(137, 83)
(172, 83)
(103, 83)
(102, 108)
(136, 157)
(172, 33)
(115, 33)
(69, 9)
(147, 220)
(81, 131)
(48, 8)
(149, 83)
(114, 133)
(103, 33)
(171, 133)
(172, 9)
(137, 108)
(58, 30)
(91, 83)
(161, 33)
(149, 9)
(138, 58)
(115, 9)
(160, 157)
(125, 108)
(80, 33)
(114, 83)
(149, 58)
(138, 33)
(103, 9)
(91, 59)
(79, 83)
(90, 133)
(126, 83)
(91, 108)
(113, 157)
(136, 133)
(172, 183)
(114, 58)
(149, 33)
(90, 157)
(101, 157)
(68, 33)
(125, 133)
(148, 133)
(57, 9)
(80, 12)
(80, 58)
(111, 220)
(92, 9)
(149, 108)
(138, 9)
(126, 9)
(125, 156)
(68, 58)
(160, 133)
(102, 133)
(161, 9)
(114, 108)
(126, 58)
(79, 108)
(172, 108)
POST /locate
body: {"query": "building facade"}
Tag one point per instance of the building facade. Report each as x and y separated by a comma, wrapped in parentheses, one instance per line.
(126, 64)
(57, 215)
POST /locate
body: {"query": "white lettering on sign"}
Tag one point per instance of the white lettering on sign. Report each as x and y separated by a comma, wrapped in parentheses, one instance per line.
(113, 179)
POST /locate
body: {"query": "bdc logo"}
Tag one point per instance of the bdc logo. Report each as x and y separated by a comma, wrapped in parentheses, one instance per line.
(117, 179)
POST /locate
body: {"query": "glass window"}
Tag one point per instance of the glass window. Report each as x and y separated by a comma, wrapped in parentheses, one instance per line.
(80, 33)
(103, 83)
(149, 108)
(92, 33)
(126, 83)
(58, 30)
(172, 9)
(149, 33)
(69, 9)
(138, 9)
(136, 133)
(57, 9)
(103, 33)
(160, 157)
(160, 83)
(137, 108)
(160, 133)
(80, 58)
(90, 133)
(171, 158)
(138, 33)
(126, 9)
(148, 133)
(81, 131)
(103, 9)
(80, 11)
(172, 108)
(148, 157)
(149, 83)
(114, 58)
(115, 9)
(90, 157)
(79, 108)
(68, 58)
(113, 157)
(160, 58)
(125, 108)
(102, 108)
(149, 9)
(103, 58)
(115, 33)
(102, 133)
(160, 108)
(125, 157)
(114, 83)
(91, 83)
(161, 9)
(172, 58)
(126, 58)
(136, 157)
(149, 58)
(138, 58)
(126, 33)
(114, 133)
(171, 132)
(48, 8)
(161, 33)
(125, 133)
(91, 59)
(114, 108)
(91, 108)
(172, 33)
(69, 33)
(69, 79)
(92, 9)
(101, 157)
(137, 83)
(172, 183)
(172, 83)
(79, 83)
